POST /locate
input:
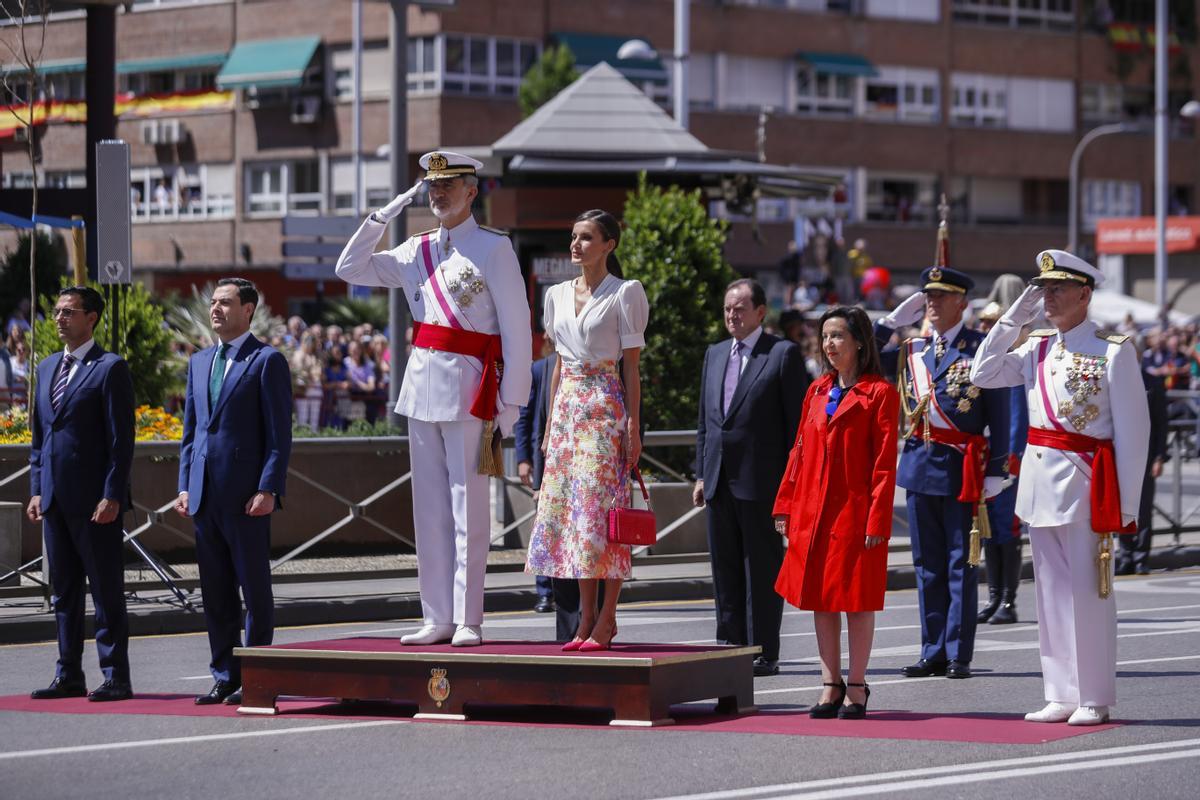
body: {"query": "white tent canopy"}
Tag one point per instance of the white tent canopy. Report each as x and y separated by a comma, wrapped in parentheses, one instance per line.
(1110, 308)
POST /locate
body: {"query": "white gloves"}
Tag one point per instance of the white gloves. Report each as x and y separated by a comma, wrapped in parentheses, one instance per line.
(994, 485)
(910, 312)
(389, 212)
(1025, 309)
(506, 420)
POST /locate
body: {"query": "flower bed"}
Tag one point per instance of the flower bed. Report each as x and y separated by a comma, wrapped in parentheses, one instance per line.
(151, 425)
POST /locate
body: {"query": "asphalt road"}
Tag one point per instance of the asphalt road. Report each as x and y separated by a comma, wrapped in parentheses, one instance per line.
(1154, 754)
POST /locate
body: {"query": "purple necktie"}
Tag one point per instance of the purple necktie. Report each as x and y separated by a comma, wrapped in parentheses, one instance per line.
(60, 384)
(732, 372)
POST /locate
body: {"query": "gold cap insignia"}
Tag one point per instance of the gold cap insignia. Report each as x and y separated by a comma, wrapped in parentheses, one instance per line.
(935, 274)
(1047, 262)
(437, 161)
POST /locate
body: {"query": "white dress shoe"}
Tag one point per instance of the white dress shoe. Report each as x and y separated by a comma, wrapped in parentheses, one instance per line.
(430, 634)
(468, 636)
(1053, 712)
(1089, 715)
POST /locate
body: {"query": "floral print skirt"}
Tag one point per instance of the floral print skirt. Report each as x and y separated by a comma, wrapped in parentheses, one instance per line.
(585, 471)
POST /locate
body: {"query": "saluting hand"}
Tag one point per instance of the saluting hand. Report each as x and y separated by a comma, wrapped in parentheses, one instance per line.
(402, 201)
(1025, 309)
(910, 312)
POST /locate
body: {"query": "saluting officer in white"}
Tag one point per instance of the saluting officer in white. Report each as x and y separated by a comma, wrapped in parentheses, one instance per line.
(464, 286)
(1081, 475)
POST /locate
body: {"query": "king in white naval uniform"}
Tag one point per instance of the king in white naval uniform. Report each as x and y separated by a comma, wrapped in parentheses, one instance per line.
(1081, 475)
(470, 369)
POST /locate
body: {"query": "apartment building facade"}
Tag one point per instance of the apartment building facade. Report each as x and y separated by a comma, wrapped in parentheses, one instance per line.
(239, 113)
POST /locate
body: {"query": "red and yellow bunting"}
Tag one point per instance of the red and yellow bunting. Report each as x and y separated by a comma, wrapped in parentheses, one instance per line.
(127, 106)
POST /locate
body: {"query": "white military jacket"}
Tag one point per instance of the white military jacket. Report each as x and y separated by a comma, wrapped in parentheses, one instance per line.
(482, 282)
(1084, 381)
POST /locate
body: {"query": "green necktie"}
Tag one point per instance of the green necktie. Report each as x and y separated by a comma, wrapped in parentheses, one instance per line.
(218, 375)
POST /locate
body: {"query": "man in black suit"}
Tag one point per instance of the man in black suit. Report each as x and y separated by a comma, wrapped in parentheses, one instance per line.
(80, 460)
(237, 437)
(1133, 557)
(752, 388)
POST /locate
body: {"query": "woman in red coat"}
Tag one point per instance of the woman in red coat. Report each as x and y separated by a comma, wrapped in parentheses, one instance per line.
(835, 505)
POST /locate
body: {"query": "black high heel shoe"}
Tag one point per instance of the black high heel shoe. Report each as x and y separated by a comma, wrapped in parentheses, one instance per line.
(856, 710)
(829, 710)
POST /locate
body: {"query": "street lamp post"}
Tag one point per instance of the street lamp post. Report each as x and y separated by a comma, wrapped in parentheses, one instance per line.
(640, 50)
(1160, 155)
(1073, 188)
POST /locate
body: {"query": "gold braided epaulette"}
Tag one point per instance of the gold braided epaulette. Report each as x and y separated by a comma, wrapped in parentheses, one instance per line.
(1042, 332)
(1112, 337)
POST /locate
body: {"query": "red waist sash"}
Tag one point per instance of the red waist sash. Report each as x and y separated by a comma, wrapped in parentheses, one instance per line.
(974, 460)
(484, 346)
(1106, 493)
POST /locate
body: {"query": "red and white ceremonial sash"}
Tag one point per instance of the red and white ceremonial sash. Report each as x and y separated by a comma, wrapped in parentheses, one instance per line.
(1105, 489)
(1045, 387)
(450, 311)
(923, 387)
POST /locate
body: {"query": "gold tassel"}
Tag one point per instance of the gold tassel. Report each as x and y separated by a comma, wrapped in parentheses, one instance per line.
(1104, 562)
(491, 457)
(974, 553)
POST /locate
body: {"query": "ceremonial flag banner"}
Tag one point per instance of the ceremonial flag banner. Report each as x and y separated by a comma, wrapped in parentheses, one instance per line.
(127, 106)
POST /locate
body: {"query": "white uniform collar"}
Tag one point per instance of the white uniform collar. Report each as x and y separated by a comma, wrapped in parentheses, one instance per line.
(81, 351)
(751, 340)
(1075, 337)
(459, 232)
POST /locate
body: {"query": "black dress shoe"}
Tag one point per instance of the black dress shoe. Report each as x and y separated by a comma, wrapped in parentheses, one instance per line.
(765, 667)
(217, 694)
(234, 699)
(1141, 569)
(924, 669)
(60, 688)
(829, 710)
(958, 669)
(1006, 614)
(544, 605)
(110, 691)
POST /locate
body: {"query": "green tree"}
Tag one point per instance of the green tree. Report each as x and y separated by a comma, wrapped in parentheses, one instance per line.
(350, 311)
(144, 341)
(677, 252)
(51, 266)
(553, 72)
(190, 322)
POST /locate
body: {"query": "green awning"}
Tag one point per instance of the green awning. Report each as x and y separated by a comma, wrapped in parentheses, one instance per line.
(268, 63)
(57, 67)
(590, 49)
(839, 64)
(171, 63)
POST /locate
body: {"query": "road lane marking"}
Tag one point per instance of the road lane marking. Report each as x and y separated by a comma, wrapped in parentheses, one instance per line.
(857, 785)
(216, 737)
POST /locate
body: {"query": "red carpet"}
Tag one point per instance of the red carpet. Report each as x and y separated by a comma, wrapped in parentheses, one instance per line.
(391, 644)
(984, 728)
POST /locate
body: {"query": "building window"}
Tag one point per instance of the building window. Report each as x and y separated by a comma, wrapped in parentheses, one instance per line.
(376, 77)
(900, 197)
(1101, 199)
(485, 65)
(902, 93)
(979, 100)
(276, 188)
(423, 74)
(376, 184)
(823, 93)
(189, 191)
(65, 86)
(921, 10)
(1054, 15)
(814, 6)
(747, 82)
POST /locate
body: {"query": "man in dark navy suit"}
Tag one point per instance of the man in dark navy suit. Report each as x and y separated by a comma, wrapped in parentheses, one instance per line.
(531, 461)
(237, 436)
(751, 391)
(79, 461)
(947, 417)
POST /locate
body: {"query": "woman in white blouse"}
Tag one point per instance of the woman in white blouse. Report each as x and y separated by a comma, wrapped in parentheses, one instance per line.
(593, 439)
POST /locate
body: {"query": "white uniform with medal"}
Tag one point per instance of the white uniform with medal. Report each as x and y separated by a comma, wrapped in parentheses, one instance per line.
(1084, 381)
(466, 277)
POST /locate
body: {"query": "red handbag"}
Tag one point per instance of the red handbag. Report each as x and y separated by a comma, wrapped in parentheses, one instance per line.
(633, 525)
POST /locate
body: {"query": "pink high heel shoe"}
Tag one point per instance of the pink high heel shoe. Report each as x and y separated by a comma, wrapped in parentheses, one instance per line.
(592, 646)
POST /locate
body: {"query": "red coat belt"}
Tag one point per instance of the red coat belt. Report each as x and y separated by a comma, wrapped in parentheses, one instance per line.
(1106, 492)
(484, 346)
(974, 460)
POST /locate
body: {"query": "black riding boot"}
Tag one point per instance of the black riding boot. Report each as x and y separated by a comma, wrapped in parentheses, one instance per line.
(1010, 576)
(994, 560)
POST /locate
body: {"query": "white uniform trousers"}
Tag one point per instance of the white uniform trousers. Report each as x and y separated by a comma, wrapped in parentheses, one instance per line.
(452, 519)
(1077, 631)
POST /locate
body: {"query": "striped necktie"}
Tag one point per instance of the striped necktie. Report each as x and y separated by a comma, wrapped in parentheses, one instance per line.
(218, 375)
(60, 384)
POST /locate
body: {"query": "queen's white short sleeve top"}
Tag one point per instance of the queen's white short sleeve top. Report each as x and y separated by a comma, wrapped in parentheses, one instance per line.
(614, 319)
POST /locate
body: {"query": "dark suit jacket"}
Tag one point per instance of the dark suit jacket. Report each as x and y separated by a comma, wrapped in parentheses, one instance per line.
(241, 446)
(84, 451)
(749, 445)
(531, 423)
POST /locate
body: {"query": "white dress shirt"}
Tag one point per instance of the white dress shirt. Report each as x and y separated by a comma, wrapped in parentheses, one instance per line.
(234, 346)
(613, 320)
(77, 354)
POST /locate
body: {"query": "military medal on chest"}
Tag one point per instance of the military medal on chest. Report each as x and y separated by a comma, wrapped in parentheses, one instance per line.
(1084, 376)
(466, 285)
(959, 386)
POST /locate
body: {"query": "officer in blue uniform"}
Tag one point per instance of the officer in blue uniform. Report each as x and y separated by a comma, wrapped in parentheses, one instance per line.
(954, 432)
